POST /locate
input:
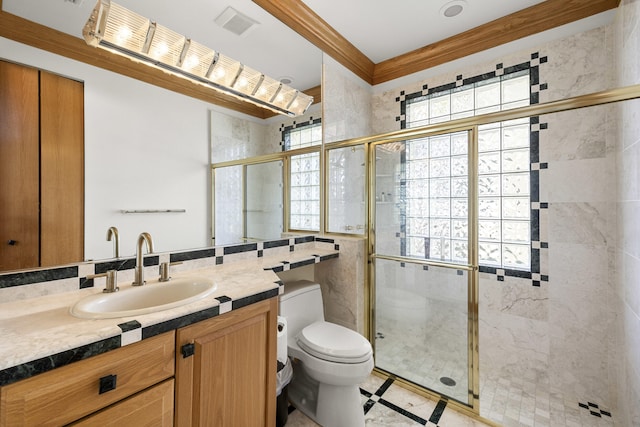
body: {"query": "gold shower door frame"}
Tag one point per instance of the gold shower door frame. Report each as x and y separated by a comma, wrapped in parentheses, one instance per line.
(471, 267)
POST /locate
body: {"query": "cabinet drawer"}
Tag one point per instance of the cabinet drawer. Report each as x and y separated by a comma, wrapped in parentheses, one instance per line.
(71, 392)
(152, 407)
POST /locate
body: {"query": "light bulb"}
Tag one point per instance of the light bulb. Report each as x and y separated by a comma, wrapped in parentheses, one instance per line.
(242, 82)
(161, 49)
(124, 33)
(219, 73)
(191, 62)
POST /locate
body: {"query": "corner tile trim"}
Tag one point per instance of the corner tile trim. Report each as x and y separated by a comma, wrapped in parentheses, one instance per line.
(29, 369)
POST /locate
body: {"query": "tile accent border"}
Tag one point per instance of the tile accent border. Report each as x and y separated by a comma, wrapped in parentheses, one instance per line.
(26, 370)
(594, 409)
(217, 255)
(538, 244)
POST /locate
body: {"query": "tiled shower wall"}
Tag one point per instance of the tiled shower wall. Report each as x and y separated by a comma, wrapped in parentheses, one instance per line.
(561, 329)
(625, 362)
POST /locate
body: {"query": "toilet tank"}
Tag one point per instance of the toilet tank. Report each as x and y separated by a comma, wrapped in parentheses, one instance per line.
(301, 305)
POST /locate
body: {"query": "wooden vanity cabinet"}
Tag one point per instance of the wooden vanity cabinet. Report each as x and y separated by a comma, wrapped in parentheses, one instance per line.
(69, 393)
(217, 372)
(226, 369)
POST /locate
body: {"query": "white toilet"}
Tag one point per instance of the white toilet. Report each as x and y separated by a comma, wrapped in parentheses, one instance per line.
(329, 361)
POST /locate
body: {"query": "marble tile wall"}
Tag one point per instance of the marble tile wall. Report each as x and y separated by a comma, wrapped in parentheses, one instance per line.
(343, 284)
(624, 361)
(234, 138)
(346, 103)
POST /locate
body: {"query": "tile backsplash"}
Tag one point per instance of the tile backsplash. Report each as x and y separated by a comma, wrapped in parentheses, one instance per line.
(47, 281)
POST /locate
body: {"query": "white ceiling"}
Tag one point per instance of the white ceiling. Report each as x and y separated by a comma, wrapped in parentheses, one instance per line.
(381, 29)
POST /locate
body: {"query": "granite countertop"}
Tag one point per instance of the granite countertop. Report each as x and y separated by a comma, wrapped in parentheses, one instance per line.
(40, 334)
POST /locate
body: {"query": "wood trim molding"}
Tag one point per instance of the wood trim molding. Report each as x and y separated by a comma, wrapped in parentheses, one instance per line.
(535, 19)
(301, 19)
(39, 36)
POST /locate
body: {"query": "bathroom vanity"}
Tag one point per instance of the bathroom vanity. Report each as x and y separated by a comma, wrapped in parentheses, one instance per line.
(209, 362)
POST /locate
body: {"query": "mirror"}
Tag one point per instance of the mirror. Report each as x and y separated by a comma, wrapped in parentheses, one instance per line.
(147, 149)
(249, 198)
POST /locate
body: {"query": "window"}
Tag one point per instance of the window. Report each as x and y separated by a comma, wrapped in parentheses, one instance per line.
(436, 175)
(304, 187)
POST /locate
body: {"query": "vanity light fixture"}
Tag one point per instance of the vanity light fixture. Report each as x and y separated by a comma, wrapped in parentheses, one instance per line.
(119, 30)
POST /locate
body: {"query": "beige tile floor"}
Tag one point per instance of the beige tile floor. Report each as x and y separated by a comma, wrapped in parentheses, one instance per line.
(389, 404)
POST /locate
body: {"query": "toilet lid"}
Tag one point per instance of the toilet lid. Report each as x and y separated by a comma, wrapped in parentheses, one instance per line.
(335, 343)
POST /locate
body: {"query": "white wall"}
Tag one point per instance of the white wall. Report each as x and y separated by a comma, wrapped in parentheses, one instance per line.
(145, 148)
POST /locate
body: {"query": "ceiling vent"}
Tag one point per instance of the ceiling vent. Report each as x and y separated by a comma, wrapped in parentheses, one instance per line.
(236, 22)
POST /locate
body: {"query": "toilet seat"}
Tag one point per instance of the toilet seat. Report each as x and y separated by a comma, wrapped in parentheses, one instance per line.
(334, 343)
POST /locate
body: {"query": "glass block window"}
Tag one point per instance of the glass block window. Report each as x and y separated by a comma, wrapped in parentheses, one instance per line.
(304, 188)
(437, 177)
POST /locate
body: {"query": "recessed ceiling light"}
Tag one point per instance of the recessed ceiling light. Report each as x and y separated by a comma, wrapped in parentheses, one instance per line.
(286, 80)
(453, 8)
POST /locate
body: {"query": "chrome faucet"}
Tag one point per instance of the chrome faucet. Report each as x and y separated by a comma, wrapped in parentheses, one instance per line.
(112, 232)
(139, 270)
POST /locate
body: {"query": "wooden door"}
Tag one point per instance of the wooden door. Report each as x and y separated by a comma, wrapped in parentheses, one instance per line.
(19, 167)
(230, 378)
(61, 170)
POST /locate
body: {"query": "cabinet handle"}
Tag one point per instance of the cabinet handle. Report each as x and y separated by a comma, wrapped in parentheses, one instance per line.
(188, 350)
(12, 242)
(107, 383)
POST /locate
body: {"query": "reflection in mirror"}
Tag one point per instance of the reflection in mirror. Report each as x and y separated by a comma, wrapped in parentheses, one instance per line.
(347, 190)
(264, 201)
(248, 202)
(228, 197)
(148, 149)
(238, 139)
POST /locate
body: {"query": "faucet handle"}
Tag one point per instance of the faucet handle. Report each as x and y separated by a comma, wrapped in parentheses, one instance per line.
(112, 280)
(164, 270)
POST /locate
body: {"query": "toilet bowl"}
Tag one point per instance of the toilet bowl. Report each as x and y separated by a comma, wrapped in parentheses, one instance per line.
(329, 360)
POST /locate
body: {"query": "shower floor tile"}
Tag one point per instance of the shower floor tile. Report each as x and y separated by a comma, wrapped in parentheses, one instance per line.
(521, 402)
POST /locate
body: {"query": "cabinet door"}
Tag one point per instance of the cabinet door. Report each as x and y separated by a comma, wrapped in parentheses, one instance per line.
(61, 170)
(230, 378)
(152, 407)
(19, 167)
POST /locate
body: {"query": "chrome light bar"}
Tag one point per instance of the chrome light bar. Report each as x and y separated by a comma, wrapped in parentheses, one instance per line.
(119, 30)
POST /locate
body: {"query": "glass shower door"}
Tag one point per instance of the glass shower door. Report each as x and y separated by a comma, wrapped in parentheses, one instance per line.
(423, 271)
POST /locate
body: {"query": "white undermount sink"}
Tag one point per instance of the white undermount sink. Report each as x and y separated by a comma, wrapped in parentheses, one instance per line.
(149, 298)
